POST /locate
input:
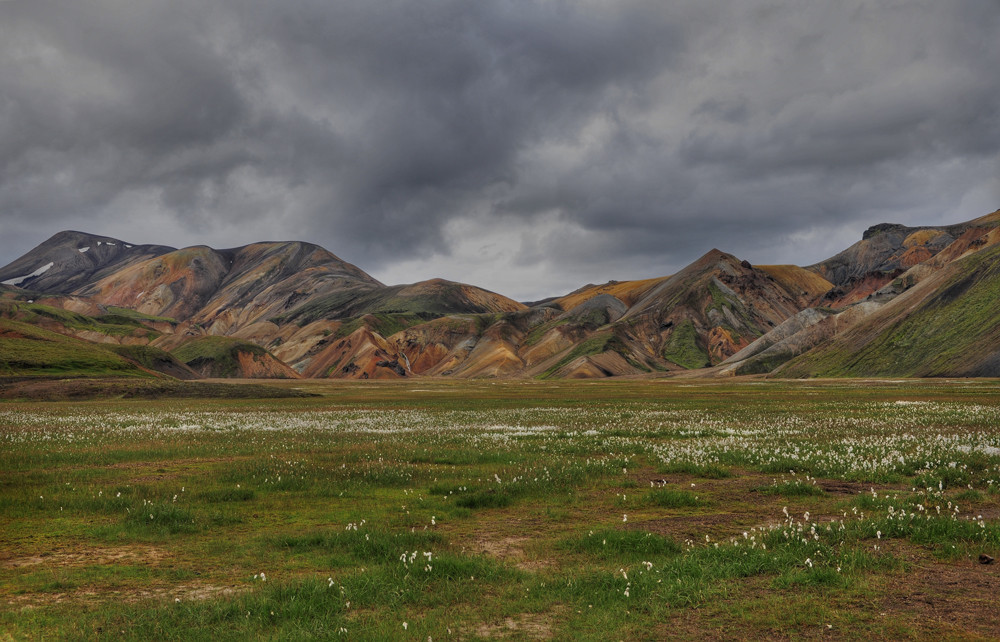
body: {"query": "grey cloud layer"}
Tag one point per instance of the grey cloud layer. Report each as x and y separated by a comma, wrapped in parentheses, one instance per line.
(648, 132)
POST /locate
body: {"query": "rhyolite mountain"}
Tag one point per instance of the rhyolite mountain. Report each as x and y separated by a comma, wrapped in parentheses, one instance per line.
(902, 301)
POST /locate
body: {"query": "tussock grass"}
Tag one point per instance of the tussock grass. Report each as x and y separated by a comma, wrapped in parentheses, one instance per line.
(622, 545)
(791, 488)
(705, 471)
(671, 498)
(227, 495)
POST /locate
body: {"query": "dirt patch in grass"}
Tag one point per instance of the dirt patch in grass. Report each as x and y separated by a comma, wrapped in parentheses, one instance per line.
(179, 592)
(93, 556)
(509, 539)
(173, 463)
(524, 626)
(185, 592)
(158, 471)
(929, 599)
(505, 548)
(718, 526)
(747, 507)
(509, 549)
(950, 597)
(757, 509)
(838, 487)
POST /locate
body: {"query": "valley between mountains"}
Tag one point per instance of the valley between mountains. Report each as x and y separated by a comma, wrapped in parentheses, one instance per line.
(901, 301)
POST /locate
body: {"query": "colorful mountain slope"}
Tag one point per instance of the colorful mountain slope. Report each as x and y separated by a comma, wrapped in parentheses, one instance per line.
(70, 260)
(804, 284)
(902, 301)
(887, 250)
(946, 325)
(628, 292)
(830, 340)
(431, 299)
(221, 290)
(707, 311)
(214, 356)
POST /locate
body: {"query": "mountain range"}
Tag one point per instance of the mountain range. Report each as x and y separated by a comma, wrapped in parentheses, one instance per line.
(902, 301)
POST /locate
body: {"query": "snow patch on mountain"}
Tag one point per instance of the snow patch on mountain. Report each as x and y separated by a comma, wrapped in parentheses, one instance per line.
(21, 279)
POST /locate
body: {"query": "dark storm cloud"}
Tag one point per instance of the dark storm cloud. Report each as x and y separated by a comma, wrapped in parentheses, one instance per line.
(497, 142)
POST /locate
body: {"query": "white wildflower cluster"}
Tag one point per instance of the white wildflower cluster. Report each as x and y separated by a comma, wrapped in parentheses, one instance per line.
(409, 559)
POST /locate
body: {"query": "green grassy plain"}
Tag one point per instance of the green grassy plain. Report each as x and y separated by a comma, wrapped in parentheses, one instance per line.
(445, 510)
(26, 350)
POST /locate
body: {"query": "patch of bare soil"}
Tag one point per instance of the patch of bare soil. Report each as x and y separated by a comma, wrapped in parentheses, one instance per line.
(90, 557)
(167, 469)
(183, 592)
(749, 508)
(179, 592)
(838, 487)
(952, 597)
(696, 624)
(524, 626)
(718, 526)
(508, 549)
(182, 462)
(507, 538)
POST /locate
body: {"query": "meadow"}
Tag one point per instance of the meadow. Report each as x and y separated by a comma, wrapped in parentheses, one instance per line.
(450, 510)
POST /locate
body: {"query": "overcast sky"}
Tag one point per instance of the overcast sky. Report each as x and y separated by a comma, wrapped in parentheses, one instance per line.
(528, 147)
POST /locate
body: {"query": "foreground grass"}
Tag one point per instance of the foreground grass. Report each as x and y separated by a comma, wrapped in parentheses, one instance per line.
(631, 510)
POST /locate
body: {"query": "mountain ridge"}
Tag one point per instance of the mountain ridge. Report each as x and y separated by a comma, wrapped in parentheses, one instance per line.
(292, 308)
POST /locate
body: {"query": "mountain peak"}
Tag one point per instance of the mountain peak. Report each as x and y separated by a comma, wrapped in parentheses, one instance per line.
(712, 259)
(875, 230)
(75, 235)
(70, 258)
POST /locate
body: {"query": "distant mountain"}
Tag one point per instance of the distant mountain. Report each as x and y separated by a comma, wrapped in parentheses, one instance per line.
(228, 288)
(940, 323)
(938, 317)
(258, 292)
(901, 301)
(887, 250)
(70, 260)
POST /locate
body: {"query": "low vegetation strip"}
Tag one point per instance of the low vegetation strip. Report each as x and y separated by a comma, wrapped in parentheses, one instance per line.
(57, 388)
(443, 510)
